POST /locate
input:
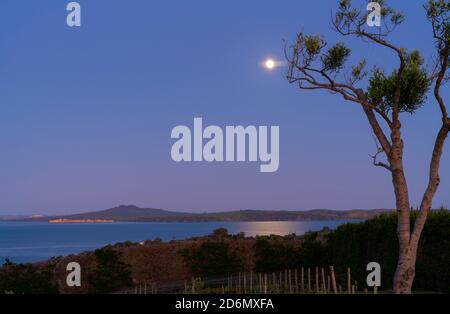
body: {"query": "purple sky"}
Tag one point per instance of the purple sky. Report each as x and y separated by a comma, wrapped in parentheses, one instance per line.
(86, 114)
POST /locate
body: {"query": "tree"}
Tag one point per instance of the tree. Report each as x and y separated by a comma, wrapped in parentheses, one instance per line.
(111, 273)
(212, 258)
(383, 98)
(27, 279)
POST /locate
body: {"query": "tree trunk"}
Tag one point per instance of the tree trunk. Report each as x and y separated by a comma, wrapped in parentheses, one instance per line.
(404, 275)
(433, 181)
(409, 242)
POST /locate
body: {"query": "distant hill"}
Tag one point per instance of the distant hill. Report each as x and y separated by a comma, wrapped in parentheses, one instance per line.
(137, 214)
(125, 213)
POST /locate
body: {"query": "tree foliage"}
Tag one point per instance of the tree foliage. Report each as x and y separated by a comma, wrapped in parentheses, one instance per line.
(415, 83)
(27, 279)
(355, 245)
(212, 258)
(334, 59)
(111, 273)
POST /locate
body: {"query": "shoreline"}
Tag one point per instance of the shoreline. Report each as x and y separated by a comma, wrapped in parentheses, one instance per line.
(65, 221)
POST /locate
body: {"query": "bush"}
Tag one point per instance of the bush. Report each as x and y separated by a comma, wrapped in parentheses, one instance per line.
(274, 255)
(110, 273)
(27, 279)
(355, 245)
(313, 252)
(375, 240)
(212, 258)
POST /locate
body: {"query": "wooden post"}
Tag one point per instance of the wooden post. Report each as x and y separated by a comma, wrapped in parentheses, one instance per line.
(324, 287)
(280, 284)
(375, 289)
(333, 279)
(239, 283)
(317, 279)
(329, 284)
(260, 283)
(265, 283)
(356, 285)
(281, 280)
(296, 281)
(340, 289)
(349, 280)
(290, 282)
(309, 280)
(274, 281)
(285, 280)
(303, 279)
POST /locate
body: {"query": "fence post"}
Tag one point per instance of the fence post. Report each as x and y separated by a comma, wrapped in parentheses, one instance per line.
(329, 284)
(324, 285)
(265, 283)
(303, 279)
(286, 284)
(260, 283)
(317, 279)
(309, 280)
(290, 282)
(349, 280)
(333, 279)
(274, 281)
(239, 284)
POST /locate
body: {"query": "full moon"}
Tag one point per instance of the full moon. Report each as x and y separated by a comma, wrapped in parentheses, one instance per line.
(270, 64)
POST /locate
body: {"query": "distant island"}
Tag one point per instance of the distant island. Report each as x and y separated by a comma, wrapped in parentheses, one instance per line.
(132, 213)
(63, 221)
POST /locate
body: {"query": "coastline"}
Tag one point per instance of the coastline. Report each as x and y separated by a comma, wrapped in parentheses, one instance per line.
(64, 221)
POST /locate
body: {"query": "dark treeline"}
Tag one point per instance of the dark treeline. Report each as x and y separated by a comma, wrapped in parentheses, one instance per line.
(108, 274)
(352, 245)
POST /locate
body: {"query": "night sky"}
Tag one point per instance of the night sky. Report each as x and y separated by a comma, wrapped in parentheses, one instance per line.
(86, 113)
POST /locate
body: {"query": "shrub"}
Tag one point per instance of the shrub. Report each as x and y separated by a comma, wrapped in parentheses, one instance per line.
(212, 258)
(110, 273)
(27, 279)
(375, 240)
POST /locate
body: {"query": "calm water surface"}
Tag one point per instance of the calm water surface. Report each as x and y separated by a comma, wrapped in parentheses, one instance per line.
(35, 241)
